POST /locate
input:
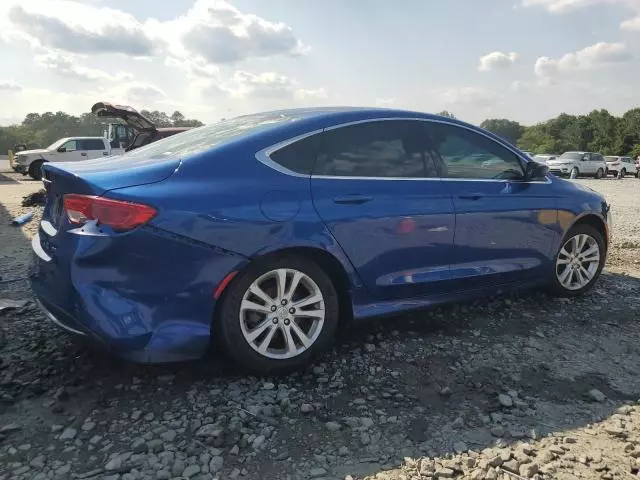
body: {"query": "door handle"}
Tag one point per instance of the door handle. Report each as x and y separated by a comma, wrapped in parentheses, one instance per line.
(471, 196)
(84, 154)
(352, 199)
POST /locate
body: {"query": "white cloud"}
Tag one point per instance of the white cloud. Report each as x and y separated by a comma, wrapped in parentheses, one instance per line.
(594, 56)
(139, 93)
(385, 102)
(631, 24)
(564, 6)
(215, 31)
(311, 94)
(467, 95)
(263, 85)
(67, 66)
(497, 61)
(75, 27)
(9, 86)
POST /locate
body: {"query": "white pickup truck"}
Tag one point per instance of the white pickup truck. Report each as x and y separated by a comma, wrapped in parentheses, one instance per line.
(28, 162)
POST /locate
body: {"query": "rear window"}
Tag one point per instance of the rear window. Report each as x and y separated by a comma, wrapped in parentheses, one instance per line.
(611, 159)
(91, 144)
(201, 139)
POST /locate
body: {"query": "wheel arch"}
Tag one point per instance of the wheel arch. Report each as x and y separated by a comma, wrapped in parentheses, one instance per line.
(592, 220)
(341, 276)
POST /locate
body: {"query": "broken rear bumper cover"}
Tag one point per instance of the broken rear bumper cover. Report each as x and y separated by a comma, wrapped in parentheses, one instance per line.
(138, 308)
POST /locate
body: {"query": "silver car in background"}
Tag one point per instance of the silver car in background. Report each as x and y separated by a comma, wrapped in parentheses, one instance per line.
(576, 164)
(544, 157)
(622, 165)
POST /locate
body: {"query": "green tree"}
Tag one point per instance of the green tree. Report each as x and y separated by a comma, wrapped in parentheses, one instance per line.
(446, 114)
(507, 129)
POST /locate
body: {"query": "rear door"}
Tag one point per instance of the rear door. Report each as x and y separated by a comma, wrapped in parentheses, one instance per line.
(377, 189)
(504, 225)
(597, 163)
(92, 148)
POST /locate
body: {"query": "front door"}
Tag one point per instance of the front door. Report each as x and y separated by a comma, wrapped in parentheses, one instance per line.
(504, 226)
(589, 163)
(70, 152)
(376, 188)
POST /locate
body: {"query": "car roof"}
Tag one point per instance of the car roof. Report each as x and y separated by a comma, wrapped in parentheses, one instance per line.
(303, 120)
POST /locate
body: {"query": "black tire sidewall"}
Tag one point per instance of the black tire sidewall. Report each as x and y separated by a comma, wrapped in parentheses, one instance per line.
(555, 285)
(35, 171)
(227, 325)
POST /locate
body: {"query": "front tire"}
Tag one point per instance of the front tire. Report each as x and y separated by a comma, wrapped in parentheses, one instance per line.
(278, 315)
(35, 170)
(579, 261)
(574, 173)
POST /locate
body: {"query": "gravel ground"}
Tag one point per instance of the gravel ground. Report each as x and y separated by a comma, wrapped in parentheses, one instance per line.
(524, 386)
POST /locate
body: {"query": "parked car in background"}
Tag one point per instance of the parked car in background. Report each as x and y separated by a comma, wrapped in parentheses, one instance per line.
(575, 164)
(145, 131)
(264, 233)
(624, 165)
(528, 154)
(72, 149)
(545, 157)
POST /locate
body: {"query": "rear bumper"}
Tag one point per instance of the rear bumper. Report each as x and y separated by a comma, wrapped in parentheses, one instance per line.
(143, 297)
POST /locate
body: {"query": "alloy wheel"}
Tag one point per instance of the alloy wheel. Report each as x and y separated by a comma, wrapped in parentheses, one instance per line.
(578, 261)
(282, 313)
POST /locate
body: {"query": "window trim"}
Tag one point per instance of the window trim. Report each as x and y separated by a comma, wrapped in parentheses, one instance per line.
(263, 155)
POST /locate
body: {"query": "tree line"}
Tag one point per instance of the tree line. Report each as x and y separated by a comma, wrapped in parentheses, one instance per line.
(40, 130)
(599, 131)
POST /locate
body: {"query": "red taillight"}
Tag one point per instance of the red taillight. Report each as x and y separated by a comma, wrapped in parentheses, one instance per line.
(120, 216)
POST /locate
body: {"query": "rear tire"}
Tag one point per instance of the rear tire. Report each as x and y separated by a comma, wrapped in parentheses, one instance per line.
(623, 172)
(35, 170)
(579, 262)
(599, 174)
(264, 332)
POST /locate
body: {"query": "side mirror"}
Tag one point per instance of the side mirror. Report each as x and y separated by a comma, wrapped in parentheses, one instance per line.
(62, 149)
(535, 171)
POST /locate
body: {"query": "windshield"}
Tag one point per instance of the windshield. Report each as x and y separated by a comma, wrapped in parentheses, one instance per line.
(572, 156)
(197, 140)
(611, 159)
(56, 144)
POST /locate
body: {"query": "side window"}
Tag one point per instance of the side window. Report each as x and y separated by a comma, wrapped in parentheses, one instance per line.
(467, 154)
(376, 149)
(299, 156)
(90, 144)
(71, 145)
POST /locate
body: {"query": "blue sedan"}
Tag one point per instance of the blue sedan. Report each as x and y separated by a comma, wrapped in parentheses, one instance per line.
(265, 233)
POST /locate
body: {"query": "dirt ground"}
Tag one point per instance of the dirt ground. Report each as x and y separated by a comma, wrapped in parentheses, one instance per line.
(524, 386)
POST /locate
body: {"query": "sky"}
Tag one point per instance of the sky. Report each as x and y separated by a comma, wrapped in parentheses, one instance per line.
(526, 60)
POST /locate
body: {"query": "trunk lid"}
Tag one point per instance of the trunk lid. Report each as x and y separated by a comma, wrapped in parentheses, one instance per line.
(130, 115)
(96, 177)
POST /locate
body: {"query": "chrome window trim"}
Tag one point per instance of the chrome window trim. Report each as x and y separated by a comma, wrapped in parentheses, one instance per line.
(264, 155)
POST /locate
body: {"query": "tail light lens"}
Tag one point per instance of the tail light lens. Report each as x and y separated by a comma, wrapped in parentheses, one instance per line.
(119, 215)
